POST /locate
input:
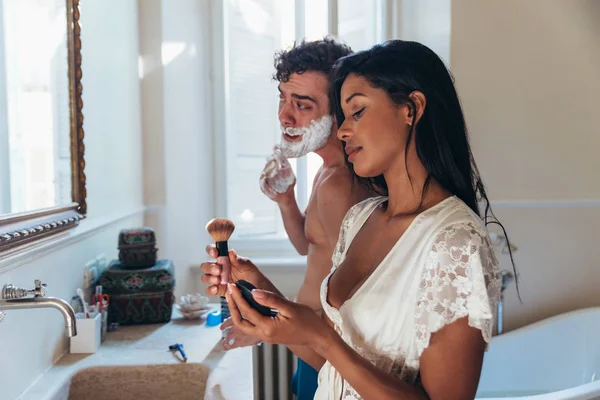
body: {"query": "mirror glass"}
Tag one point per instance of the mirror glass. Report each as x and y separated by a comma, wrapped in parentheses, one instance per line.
(35, 155)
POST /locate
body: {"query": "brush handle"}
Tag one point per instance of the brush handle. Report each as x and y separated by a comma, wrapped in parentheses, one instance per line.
(225, 313)
(223, 261)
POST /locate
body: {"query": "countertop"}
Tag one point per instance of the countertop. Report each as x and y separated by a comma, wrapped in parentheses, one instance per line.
(231, 376)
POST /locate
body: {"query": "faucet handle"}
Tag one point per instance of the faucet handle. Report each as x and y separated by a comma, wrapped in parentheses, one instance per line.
(11, 292)
(40, 288)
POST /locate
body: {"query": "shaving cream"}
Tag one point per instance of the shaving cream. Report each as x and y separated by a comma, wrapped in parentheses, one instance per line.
(314, 136)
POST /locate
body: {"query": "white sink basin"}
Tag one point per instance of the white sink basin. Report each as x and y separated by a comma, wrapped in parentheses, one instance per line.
(168, 381)
(134, 363)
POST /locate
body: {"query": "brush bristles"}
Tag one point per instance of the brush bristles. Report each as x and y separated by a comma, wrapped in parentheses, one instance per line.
(220, 229)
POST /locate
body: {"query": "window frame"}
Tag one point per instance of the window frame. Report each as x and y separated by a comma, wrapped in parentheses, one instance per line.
(19, 232)
(263, 246)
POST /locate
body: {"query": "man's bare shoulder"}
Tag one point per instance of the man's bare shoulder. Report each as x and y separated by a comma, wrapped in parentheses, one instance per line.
(336, 194)
(339, 188)
(341, 181)
(337, 181)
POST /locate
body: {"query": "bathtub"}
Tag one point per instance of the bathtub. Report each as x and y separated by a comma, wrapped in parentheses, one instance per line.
(554, 359)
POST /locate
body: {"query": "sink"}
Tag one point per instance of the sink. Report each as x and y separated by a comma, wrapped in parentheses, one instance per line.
(167, 381)
(134, 363)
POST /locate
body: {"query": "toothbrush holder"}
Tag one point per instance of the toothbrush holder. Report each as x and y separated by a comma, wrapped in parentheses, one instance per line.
(89, 333)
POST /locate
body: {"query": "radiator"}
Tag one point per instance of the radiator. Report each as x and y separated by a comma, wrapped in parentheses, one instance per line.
(274, 366)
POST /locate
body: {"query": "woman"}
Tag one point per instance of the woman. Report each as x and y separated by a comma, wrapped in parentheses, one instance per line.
(408, 305)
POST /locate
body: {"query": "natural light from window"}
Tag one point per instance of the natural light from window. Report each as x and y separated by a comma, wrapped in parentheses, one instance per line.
(253, 31)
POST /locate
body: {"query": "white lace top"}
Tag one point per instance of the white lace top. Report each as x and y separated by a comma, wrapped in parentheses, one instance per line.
(442, 268)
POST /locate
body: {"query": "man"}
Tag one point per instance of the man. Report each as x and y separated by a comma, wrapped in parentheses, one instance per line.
(307, 126)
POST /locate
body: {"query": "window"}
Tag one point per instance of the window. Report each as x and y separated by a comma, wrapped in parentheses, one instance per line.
(246, 100)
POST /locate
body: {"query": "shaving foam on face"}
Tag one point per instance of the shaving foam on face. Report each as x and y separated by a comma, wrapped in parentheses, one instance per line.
(314, 136)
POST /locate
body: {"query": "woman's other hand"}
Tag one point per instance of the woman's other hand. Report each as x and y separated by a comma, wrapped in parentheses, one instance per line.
(295, 324)
(241, 268)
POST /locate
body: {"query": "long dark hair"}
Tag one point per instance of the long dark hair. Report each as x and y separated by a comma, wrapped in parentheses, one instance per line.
(400, 68)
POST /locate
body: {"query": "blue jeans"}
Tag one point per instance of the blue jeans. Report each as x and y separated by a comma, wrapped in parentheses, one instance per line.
(304, 382)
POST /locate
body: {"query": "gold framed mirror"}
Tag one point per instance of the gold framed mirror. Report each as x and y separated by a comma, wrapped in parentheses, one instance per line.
(42, 178)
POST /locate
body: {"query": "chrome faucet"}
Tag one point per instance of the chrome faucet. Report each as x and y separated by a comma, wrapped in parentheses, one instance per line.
(507, 278)
(15, 298)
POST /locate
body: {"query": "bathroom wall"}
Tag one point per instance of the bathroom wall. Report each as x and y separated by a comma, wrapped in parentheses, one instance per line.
(30, 340)
(527, 74)
(176, 89)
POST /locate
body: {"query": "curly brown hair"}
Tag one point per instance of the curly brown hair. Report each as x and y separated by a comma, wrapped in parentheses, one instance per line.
(318, 55)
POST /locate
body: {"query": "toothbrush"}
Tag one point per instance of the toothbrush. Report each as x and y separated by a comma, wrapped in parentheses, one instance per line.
(83, 303)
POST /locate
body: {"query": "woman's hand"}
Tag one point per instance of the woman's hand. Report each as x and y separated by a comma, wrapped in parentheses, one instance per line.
(241, 268)
(295, 324)
(235, 338)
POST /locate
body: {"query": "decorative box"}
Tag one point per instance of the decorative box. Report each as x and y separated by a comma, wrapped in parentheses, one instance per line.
(142, 296)
(137, 248)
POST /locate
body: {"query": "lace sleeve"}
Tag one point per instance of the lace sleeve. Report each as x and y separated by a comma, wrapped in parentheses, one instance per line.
(460, 279)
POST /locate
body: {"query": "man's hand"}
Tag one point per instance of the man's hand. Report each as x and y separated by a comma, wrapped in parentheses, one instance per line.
(241, 268)
(277, 179)
(235, 338)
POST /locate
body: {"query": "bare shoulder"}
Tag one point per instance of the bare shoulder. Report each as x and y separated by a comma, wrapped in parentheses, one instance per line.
(337, 193)
(340, 182)
(335, 183)
(317, 178)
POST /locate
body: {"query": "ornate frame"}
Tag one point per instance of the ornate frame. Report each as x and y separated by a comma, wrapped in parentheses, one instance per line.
(25, 228)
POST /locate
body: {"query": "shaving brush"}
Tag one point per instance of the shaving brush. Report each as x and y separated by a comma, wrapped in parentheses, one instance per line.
(221, 229)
